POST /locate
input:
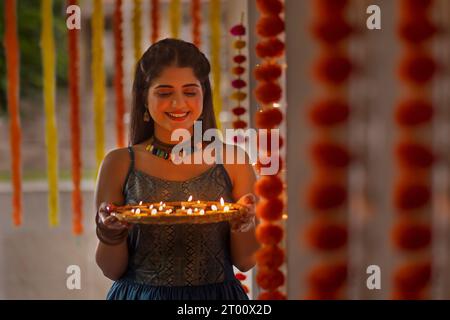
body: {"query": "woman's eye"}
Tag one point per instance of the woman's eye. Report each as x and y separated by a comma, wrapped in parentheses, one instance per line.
(190, 94)
(164, 94)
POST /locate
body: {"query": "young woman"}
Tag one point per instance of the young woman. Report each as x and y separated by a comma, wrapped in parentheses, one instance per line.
(171, 91)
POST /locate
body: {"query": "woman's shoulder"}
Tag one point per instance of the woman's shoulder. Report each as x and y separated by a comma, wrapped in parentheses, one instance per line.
(234, 154)
(236, 161)
(116, 159)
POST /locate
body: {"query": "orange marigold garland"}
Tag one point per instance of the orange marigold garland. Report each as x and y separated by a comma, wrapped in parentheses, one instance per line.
(118, 77)
(74, 92)
(327, 193)
(412, 233)
(196, 23)
(270, 257)
(154, 18)
(11, 42)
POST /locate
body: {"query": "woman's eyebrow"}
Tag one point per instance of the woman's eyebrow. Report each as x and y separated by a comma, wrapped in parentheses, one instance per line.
(191, 85)
(163, 86)
(184, 86)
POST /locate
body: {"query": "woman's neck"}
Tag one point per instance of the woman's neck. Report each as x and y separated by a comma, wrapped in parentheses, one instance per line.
(165, 135)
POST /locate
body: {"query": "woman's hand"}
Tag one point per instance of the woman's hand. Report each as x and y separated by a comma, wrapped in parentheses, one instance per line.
(246, 222)
(109, 221)
(110, 230)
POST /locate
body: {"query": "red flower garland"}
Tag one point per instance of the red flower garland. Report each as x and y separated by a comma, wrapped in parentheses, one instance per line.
(330, 7)
(412, 277)
(329, 112)
(414, 112)
(272, 295)
(269, 118)
(269, 234)
(411, 195)
(12, 67)
(331, 31)
(411, 236)
(270, 48)
(326, 196)
(74, 92)
(270, 257)
(414, 155)
(333, 69)
(327, 193)
(417, 68)
(239, 84)
(328, 276)
(324, 235)
(412, 233)
(270, 7)
(330, 155)
(269, 187)
(414, 31)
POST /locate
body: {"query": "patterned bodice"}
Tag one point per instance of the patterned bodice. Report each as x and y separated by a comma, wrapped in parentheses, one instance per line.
(179, 255)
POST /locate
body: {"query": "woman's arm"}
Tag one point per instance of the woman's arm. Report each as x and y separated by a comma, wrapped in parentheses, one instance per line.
(243, 244)
(112, 259)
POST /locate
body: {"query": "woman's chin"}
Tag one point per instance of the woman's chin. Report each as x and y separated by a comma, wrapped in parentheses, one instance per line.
(180, 125)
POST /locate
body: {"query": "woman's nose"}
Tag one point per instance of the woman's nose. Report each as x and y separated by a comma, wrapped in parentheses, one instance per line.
(178, 101)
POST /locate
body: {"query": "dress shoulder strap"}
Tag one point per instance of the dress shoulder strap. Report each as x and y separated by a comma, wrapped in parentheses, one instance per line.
(131, 168)
(130, 150)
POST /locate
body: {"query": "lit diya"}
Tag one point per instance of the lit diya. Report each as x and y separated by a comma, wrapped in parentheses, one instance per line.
(190, 212)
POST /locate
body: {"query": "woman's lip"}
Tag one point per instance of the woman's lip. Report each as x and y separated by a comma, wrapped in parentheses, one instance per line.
(177, 119)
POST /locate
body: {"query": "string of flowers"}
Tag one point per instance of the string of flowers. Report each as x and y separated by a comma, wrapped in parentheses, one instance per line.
(74, 96)
(412, 191)
(11, 42)
(326, 195)
(242, 277)
(214, 21)
(154, 18)
(271, 256)
(196, 23)
(238, 83)
(175, 18)
(51, 133)
(118, 77)
(137, 29)
(98, 80)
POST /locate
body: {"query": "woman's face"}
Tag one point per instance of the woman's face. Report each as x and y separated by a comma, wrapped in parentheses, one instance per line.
(175, 99)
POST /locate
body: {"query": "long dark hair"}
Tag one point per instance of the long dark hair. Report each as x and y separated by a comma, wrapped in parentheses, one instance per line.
(162, 54)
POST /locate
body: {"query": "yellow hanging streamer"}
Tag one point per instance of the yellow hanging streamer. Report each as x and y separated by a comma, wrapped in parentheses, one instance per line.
(51, 133)
(175, 18)
(137, 29)
(214, 20)
(98, 79)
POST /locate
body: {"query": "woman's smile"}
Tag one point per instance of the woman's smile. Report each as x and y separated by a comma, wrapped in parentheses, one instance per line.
(178, 115)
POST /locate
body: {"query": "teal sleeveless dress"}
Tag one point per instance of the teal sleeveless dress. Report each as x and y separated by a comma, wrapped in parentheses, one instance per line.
(178, 262)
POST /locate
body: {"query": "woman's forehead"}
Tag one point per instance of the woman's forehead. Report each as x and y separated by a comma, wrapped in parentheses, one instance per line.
(176, 77)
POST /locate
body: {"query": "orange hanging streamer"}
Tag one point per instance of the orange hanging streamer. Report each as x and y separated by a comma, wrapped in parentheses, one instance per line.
(196, 23)
(154, 18)
(74, 93)
(118, 78)
(12, 65)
